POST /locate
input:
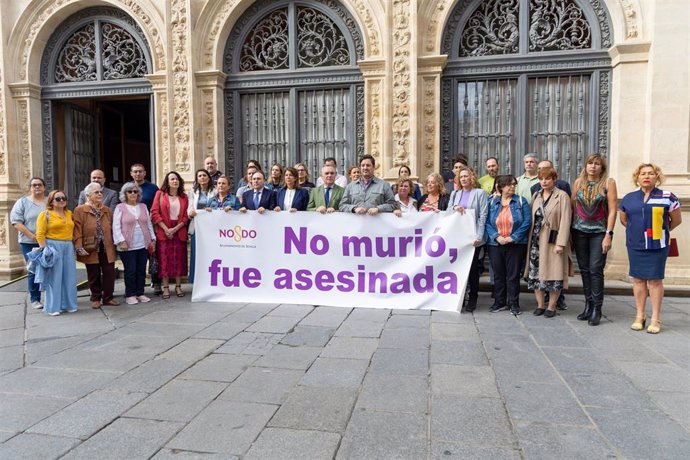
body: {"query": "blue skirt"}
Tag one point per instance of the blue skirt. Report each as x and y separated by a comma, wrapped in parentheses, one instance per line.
(61, 279)
(647, 264)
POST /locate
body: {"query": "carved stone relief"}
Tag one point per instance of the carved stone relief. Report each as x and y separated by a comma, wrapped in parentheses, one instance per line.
(3, 137)
(179, 33)
(3, 232)
(370, 30)
(429, 121)
(432, 26)
(631, 11)
(131, 6)
(209, 110)
(402, 50)
(218, 22)
(24, 141)
(375, 118)
(164, 129)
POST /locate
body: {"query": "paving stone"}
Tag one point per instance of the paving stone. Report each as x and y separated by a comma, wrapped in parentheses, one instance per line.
(61, 383)
(292, 311)
(609, 346)
(330, 317)
(381, 435)
(542, 402)
(126, 438)
(263, 385)
(351, 348)
(11, 316)
(274, 324)
(86, 360)
(606, 390)
(369, 314)
(336, 373)
(222, 330)
(311, 336)
(20, 411)
(405, 338)
(251, 313)
(42, 347)
(398, 321)
(142, 328)
(280, 443)
(450, 317)
(394, 393)
(468, 381)
(150, 376)
(578, 360)
(176, 454)
(452, 451)
(178, 316)
(88, 415)
(178, 401)
(33, 446)
(531, 366)
(118, 343)
(12, 337)
(454, 331)
(251, 343)
(546, 440)
(400, 362)
(354, 328)
(5, 435)
(471, 421)
(499, 323)
(642, 434)
(287, 357)
(398, 312)
(559, 336)
(11, 358)
(656, 376)
(192, 350)
(224, 427)
(456, 352)
(316, 408)
(219, 367)
(676, 405)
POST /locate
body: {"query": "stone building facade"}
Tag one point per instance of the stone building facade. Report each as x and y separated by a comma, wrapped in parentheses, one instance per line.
(105, 83)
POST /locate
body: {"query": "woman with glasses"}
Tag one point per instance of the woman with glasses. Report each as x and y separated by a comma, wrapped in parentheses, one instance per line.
(23, 217)
(135, 239)
(507, 228)
(303, 177)
(54, 232)
(93, 240)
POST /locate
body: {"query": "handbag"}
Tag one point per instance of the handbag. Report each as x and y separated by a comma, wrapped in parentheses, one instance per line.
(673, 248)
(153, 266)
(89, 243)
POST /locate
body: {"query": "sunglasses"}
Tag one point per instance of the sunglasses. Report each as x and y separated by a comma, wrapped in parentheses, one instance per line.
(60, 198)
(133, 192)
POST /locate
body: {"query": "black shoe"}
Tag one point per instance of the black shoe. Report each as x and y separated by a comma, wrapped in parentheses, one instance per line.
(497, 308)
(595, 318)
(157, 289)
(470, 304)
(538, 311)
(549, 313)
(587, 312)
(561, 305)
(515, 311)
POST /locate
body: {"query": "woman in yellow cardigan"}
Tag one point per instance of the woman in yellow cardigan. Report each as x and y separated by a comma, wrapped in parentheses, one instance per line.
(54, 228)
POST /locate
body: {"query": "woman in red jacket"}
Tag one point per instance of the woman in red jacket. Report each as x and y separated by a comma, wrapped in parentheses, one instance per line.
(169, 215)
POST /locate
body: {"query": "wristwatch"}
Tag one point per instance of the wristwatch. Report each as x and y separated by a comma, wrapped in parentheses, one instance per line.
(609, 232)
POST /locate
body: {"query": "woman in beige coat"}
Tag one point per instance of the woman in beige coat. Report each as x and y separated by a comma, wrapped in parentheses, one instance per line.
(548, 262)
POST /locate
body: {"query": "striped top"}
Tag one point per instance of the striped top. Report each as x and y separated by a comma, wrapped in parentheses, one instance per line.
(648, 221)
(591, 210)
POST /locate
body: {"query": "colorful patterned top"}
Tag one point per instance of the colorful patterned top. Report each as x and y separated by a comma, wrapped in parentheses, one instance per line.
(591, 210)
(648, 222)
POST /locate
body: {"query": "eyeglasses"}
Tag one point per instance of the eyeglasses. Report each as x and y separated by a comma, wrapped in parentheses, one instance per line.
(60, 198)
(133, 192)
(37, 185)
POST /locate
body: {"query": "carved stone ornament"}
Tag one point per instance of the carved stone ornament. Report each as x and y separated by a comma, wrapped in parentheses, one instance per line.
(165, 128)
(50, 7)
(24, 141)
(430, 99)
(3, 134)
(3, 232)
(631, 11)
(434, 22)
(375, 117)
(402, 49)
(179, 33)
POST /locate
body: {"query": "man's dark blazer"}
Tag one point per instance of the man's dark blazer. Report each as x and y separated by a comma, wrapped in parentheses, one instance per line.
(268, 199)
(299, 202)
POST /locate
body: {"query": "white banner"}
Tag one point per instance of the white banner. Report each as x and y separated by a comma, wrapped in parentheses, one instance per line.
(418, 261)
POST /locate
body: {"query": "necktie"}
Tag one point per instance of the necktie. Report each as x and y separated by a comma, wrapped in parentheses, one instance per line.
(328, 196)
(256, 200)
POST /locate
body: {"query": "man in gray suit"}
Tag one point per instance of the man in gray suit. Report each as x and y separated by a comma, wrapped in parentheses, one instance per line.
(110, 197)
(326, 197)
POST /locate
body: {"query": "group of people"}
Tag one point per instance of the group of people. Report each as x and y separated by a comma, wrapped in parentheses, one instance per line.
(527, 225)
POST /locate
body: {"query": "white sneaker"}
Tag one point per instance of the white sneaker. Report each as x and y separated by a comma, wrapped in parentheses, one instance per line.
(143, 299)
(36, 304)
(131, 300)
(55, 313)
(73, 310)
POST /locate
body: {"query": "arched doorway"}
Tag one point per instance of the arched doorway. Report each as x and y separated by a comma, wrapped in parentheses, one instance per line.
(96, 101)
(526, 76)
(294, 92)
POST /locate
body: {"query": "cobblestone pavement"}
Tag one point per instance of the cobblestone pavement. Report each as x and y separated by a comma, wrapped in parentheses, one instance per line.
(175, 379)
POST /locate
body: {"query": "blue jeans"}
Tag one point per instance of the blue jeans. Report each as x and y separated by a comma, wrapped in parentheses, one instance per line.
(33, 287)
(591, 261)
(135, 271)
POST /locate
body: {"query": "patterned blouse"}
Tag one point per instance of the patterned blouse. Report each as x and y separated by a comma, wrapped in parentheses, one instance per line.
(591, 210)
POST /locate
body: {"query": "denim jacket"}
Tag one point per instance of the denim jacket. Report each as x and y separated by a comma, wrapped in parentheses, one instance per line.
(522, 220)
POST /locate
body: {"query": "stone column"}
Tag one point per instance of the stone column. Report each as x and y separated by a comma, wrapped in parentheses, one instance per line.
(162, 123)
(210, 116)
(375, 112)
(429, 136)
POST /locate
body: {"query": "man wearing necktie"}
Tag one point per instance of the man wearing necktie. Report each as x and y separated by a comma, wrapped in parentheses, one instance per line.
(326, 198)
(258, 198)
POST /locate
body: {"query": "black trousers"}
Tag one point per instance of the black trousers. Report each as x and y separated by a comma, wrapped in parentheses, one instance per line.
(591, 261)
(508, 263)
(473, 280)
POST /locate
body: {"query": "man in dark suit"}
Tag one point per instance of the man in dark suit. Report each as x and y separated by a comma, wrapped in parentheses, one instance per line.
(326, 198)
(258, 198)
